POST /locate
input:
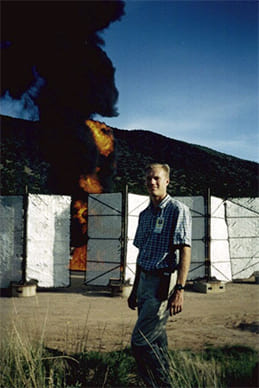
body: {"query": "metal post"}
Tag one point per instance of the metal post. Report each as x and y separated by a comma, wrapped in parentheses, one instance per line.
(207, 235)
(25, 218)
(124, 237)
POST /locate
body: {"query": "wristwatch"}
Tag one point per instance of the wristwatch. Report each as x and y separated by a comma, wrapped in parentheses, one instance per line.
(179, 287)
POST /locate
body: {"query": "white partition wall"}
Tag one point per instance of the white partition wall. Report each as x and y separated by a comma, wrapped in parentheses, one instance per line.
(232, 231)
(196, 205)
(225, 239)
(104, 238)
(136, 203)
(243, 230)
(48, 240)
(219, 243)
(11, 239)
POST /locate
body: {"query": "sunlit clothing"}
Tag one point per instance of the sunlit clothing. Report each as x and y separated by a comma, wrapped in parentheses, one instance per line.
(159, 229)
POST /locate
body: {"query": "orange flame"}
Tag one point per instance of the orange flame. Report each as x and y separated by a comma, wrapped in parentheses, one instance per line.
(81, 208)
(91, 183)
(103, 136)
(79, 259)
(81, 214)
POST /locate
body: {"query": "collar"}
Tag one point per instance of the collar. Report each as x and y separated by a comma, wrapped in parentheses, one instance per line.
(162, 204)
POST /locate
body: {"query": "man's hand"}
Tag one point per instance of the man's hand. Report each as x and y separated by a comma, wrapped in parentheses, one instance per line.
(175, 302)
(132, 301)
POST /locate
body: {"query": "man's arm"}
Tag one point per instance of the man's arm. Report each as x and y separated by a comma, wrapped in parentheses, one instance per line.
(132, 299)
(175, 303)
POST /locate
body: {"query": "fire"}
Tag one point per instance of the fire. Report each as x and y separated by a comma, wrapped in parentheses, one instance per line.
(81, 214)
(78, 262)
(90, 183)
(103, 136)
(81, 208)
(79, 254)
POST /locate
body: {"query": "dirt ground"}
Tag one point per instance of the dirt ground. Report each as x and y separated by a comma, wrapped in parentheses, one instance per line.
(75, 318)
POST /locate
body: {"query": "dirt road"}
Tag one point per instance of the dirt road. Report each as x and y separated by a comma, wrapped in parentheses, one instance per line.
(75, 318)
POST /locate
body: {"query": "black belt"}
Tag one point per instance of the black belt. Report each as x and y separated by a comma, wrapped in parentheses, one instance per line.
(157, 271)
(154, 271)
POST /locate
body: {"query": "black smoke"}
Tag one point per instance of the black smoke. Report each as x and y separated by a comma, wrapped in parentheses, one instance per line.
(60, 42)
(61, 39)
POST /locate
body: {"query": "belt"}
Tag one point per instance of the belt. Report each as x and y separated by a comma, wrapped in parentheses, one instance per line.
(154, 271)
(157, 271)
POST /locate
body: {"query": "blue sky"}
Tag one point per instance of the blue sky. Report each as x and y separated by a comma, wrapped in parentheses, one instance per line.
(189, 70)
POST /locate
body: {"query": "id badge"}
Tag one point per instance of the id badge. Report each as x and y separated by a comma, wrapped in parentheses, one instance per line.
(159, 225)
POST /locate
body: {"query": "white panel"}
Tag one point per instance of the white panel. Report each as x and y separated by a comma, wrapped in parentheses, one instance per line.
(244, 268)
(198, 251)
(219, 229)
(48, 240)
(219, 251)
(99, 274)
(43, 253)
(137, 203)
(196, 204)
(11, 239)
(132, 226)
(104, 226)
(243, 207)
(243, 227)
(104, 232)
(130, 273)
(196, 271)
(198, 228)
(219, 246)
(221, 271)
(197, 267)
(217, 207)
(220, 260)
(244, 247)
(103, 251)
(105, 203)
(132, 253)
(197, 207)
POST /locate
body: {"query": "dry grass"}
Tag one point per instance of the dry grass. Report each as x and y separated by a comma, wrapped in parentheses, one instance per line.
(26, 362)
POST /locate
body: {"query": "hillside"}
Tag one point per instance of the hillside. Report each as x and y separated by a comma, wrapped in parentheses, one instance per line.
(194, 168)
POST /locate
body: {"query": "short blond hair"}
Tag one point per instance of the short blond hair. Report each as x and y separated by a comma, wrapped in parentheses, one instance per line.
(164, 167)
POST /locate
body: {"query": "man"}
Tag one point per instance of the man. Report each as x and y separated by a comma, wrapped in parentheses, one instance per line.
(158, 290)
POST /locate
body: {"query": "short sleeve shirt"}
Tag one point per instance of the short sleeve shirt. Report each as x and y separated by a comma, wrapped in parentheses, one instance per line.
(159, 229)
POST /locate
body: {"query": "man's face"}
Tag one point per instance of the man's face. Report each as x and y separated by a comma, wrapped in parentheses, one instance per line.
(157, 182)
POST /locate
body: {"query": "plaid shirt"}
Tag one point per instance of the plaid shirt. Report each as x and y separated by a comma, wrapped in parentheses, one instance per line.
(154, 243)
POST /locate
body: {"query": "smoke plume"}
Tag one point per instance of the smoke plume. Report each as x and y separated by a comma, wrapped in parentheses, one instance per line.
(23, 108)
(60, 42)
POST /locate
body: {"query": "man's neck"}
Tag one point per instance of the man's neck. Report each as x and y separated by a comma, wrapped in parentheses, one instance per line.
(157, 200)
